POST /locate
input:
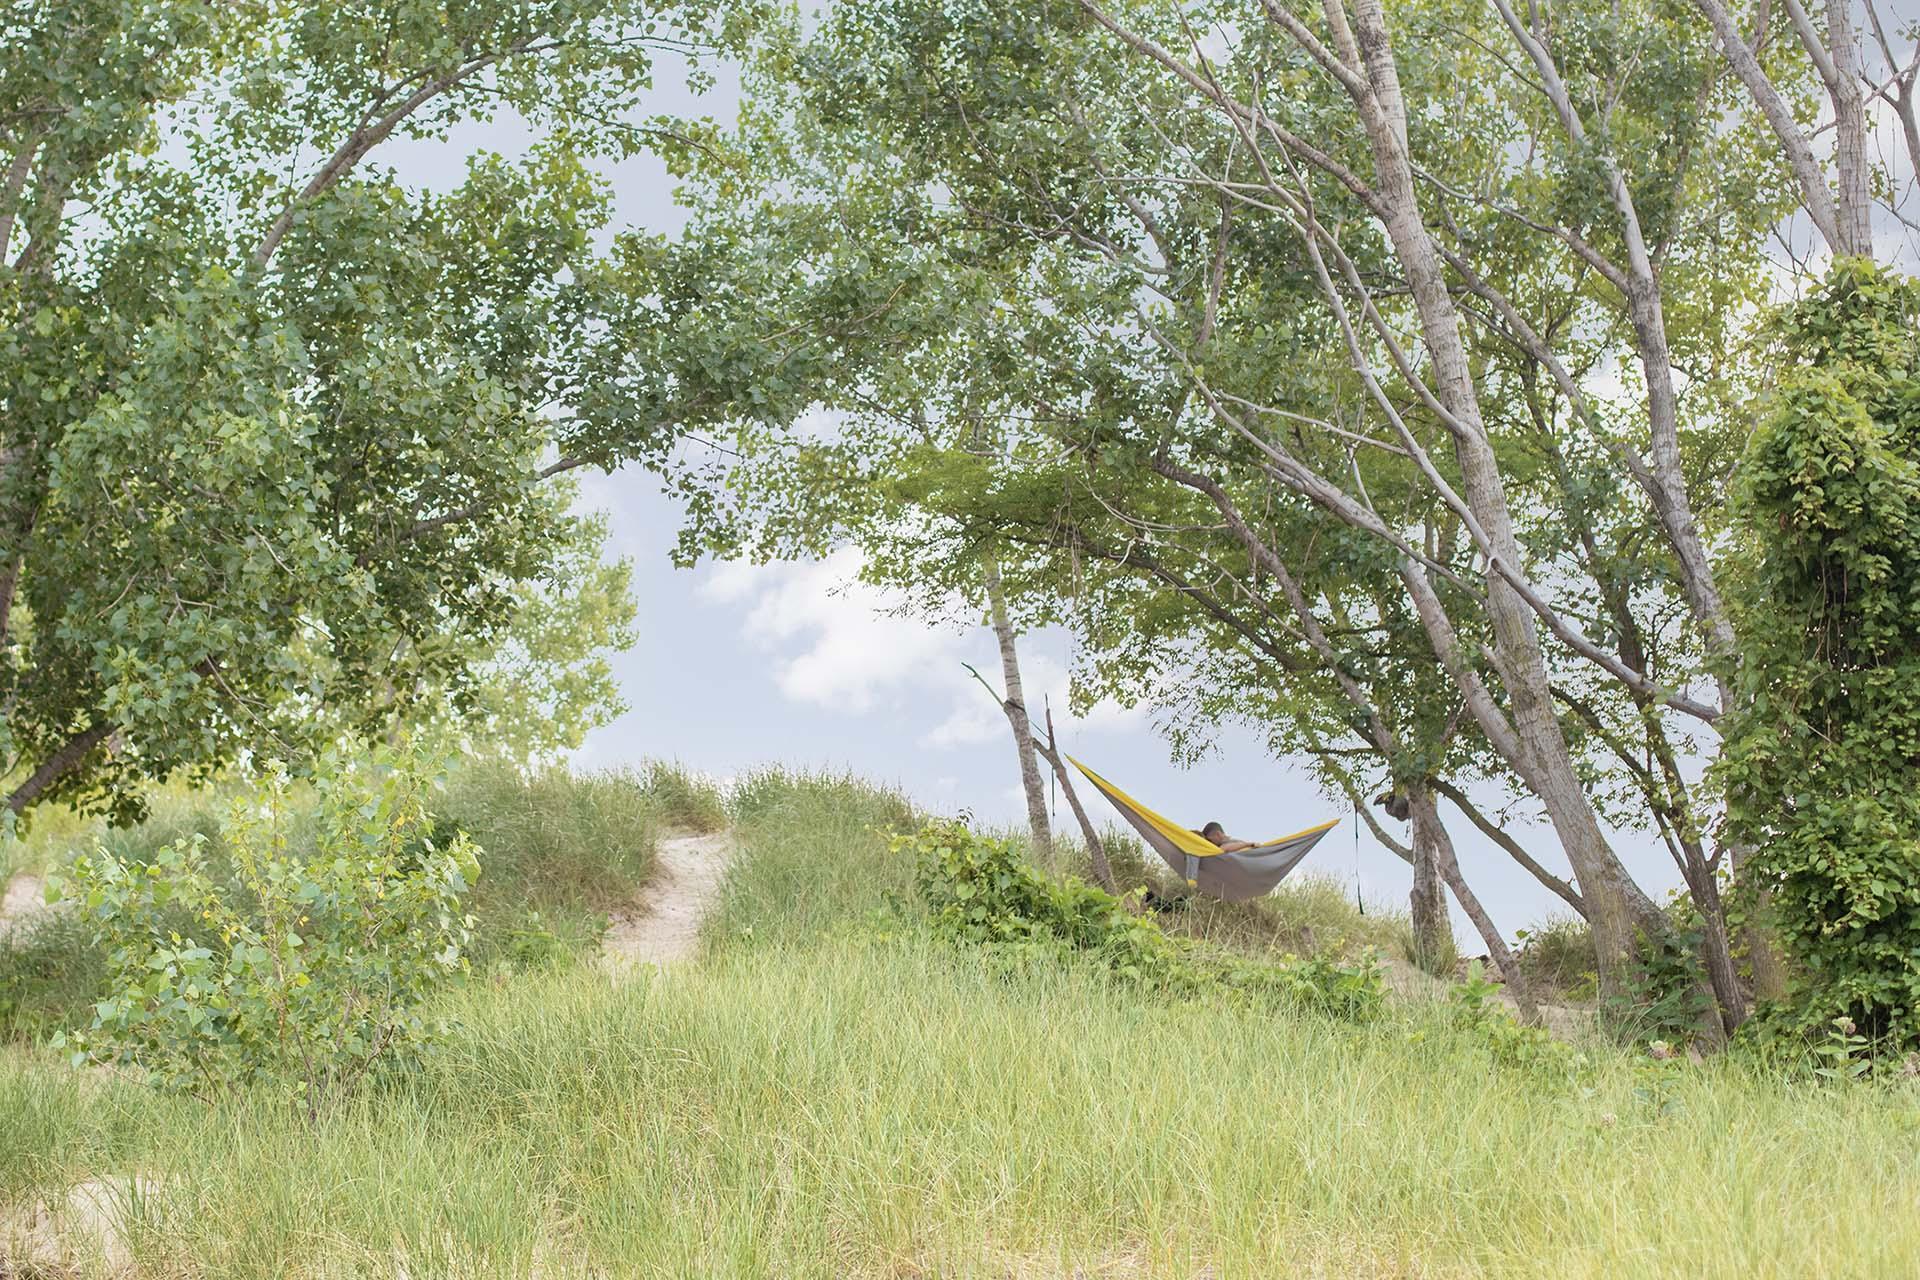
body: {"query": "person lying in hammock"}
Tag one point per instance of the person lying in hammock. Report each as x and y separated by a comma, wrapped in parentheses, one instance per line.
(1217, 834)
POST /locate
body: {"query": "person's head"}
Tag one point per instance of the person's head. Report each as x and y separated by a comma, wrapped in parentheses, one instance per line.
(1214, 832)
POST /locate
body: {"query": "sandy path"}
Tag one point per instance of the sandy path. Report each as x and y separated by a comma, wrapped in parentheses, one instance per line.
(664, 925)
(24, 900)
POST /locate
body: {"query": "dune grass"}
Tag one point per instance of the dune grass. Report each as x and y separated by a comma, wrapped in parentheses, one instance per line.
(559, 851)
(827, 1093)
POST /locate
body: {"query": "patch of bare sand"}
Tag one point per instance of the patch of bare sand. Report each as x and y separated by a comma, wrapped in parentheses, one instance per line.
(1411, 985)
(664, 925)
(81, 1233)
(23, 905)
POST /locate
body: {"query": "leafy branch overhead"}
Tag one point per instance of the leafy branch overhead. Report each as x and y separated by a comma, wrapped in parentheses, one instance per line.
(1374, 375)
(277, 421)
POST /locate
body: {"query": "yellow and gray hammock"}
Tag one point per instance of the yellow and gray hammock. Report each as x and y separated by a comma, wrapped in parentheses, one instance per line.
(1235, 877)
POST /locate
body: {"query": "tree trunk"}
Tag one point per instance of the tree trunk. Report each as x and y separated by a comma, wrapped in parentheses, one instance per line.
(1854, 216)
(1432, 932)
(1096, 851)
(1615, 905)
(1016, 708)
(1429, 830)
(1716, 955)
(1763, 947)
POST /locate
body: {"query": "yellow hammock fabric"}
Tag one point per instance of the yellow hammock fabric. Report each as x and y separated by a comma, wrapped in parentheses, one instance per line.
(1246, 873)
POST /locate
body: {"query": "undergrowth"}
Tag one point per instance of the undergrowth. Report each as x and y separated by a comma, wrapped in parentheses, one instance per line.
(561, 850)
(838, 1089)
(980, 892)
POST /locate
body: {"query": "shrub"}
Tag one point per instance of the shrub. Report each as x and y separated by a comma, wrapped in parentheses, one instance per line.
(979, 891)
(314, 968)
(1819, 757)
(1472, 1006)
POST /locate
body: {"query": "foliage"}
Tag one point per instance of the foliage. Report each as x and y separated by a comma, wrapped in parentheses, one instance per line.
(542, 682)
(563, 850)
(328, 395)
(1472, 1006)
(313, 976)
(1820, 761)
(979, 892)
(1663, 993)
(1150, 350)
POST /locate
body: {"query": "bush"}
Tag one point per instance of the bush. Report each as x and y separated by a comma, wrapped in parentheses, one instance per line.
(1473, 1006)
(979, 891)
(314, 970)
(1819, 757)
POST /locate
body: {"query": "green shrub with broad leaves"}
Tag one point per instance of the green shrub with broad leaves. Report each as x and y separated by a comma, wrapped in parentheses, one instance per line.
(303, 969)
(1821, 762)
(979, 891)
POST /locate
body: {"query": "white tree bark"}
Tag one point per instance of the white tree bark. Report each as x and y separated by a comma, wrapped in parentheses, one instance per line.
(1854, 217)
(1615, 904)
(1017, 717)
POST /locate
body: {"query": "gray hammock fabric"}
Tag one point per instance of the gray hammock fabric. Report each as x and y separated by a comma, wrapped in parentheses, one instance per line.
(1234, 877)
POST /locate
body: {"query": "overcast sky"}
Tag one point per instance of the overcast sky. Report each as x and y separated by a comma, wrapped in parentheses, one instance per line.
(739, 666)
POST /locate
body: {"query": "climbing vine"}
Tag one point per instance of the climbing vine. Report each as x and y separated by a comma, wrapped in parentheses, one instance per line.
(1822, 758)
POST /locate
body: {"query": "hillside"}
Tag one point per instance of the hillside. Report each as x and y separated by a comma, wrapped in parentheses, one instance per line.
(825, 1088)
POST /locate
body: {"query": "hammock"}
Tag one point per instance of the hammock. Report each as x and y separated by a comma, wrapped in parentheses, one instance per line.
(1232, 876)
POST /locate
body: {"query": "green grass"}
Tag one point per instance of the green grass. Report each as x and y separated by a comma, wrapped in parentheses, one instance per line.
(559, 852)
(814, 857)
(819, 1098)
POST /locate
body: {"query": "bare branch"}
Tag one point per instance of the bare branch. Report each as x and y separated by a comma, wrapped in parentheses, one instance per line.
(1494, 832)
(1814, 192)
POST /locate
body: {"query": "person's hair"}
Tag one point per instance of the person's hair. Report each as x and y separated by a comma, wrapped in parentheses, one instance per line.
(1213, 829)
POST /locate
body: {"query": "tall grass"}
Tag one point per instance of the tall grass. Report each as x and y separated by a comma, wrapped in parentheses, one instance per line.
(846, 1109)
(817, 1099)
(813, 856)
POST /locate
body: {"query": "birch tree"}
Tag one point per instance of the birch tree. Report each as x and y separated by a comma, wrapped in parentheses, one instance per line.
(1462, 284)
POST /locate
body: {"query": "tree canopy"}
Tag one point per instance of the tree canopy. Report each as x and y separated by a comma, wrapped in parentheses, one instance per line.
(1375, 377)
(279, 424)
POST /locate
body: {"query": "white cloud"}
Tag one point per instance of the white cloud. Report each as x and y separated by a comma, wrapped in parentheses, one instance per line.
(977, 718)
(837, 642)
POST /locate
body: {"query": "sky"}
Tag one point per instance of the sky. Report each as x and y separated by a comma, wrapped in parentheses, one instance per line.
(737, 666)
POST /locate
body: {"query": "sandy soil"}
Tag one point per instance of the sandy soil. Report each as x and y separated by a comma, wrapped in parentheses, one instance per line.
(664, 925)
(24, 901)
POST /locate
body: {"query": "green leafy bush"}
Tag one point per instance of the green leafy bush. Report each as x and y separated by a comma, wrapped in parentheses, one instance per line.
(979, 891)
(1473, 1007)
(1821, 761)
(313, 969)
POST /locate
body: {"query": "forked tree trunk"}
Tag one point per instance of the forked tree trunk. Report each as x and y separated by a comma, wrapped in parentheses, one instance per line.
(1429, 830)
(1615, 904)
(1016, 708)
